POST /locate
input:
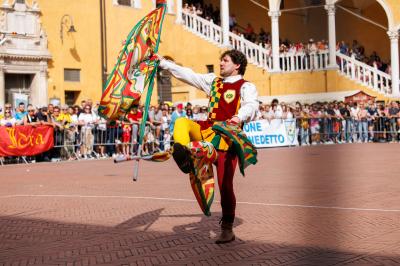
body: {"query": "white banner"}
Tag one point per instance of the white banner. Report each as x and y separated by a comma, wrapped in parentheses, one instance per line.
(274, 133)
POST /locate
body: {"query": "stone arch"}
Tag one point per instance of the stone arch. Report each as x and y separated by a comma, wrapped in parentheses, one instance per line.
(384, 5)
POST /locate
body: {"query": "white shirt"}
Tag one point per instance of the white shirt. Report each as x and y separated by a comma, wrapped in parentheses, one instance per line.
(354, 112)
(8, 121)
(248, 92)
(87, 119)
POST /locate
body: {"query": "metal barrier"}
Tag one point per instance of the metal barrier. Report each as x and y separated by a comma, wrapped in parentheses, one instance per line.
(96, 141)
(99, 141)
(335, 130)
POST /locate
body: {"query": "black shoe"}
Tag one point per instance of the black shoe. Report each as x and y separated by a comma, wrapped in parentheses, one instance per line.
(183, 159)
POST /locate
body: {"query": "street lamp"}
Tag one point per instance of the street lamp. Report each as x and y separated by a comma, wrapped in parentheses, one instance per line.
(65, 21)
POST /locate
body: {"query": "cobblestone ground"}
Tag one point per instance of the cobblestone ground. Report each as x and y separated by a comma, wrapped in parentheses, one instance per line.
(325, 205)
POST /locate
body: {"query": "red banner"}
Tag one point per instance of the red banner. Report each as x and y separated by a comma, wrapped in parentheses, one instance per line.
(25, 140)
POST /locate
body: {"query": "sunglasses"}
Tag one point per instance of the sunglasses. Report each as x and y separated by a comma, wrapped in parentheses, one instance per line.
(31, 110)
(7, 112)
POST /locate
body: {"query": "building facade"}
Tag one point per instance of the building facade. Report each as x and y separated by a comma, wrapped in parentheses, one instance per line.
(62, 51)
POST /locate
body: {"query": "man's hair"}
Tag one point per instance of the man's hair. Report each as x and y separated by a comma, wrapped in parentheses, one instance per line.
(238, 58)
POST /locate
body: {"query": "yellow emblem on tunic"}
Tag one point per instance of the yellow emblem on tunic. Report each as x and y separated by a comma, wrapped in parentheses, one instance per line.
(229, 96)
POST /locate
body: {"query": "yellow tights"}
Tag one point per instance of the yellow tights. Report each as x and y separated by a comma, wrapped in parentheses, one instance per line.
(186, 130)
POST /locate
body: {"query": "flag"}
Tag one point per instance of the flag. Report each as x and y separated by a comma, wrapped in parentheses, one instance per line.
(135, 68)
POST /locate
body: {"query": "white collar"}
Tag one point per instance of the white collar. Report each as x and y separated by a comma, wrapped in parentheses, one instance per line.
(232, 79)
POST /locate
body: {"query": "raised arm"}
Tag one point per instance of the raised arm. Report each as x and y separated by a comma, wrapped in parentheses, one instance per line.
(187, 75)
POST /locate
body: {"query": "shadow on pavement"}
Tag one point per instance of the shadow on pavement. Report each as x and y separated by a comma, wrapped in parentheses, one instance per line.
(47, 242)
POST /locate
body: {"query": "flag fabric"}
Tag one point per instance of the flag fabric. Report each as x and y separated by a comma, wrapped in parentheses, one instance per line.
(135, 68)
(243, 147)
(202, 180)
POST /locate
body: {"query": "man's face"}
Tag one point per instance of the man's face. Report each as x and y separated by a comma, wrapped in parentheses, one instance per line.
(227, 67)
(21, 107)
(56, 112)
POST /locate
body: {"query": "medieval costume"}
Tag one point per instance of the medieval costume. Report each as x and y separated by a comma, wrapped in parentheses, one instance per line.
(229, 97)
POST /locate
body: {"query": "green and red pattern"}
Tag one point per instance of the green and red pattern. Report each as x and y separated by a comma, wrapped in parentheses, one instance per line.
(136, 66)
(202, 180)
(245, 150)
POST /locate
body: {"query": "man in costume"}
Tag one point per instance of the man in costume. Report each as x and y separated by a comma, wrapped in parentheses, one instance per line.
(231, 99)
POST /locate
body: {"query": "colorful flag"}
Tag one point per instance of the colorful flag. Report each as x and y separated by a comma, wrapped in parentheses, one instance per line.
(135, 68)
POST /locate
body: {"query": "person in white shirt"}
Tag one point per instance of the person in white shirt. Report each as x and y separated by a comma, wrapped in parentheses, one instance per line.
(237, 103)
(87, 120)
(8, 120)
(167, 140)
(354, 110)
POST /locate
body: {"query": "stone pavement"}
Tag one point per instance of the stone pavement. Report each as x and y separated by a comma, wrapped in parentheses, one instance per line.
(322, 205)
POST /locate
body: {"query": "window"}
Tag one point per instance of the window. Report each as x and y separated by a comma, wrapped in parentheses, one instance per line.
(210, 68)
(132, 3)
(73, 75)
(20, 1)
(170, 6)
(124, 2)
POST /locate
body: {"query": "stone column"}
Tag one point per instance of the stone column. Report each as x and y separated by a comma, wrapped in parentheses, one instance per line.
(225, 22)
(178, 19)
(41, 90)
(2, 88)
(331, 10)
(275, 39)
(394, 49)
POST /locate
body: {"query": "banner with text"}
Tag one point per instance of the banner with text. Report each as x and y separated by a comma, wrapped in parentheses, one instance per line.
(25, 140)
(274, 133)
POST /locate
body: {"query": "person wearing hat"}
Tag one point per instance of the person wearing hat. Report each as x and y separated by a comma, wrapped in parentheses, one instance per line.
(231, 99)
(179, 112)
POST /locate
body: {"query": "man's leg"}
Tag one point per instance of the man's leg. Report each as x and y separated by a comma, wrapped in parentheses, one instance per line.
(226, 165)
(185, 131)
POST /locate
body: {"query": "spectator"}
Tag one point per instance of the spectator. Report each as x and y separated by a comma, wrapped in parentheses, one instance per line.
(87, 121)
(315, 114)
(393, 116)
(371, 117)
(363, 123)
(354, 110)
(155, 116)
(276, 109)
(189, 114)
(21, 113)
(55, 119)
(126, 137)
(31, 118)
(179, 112)
(167, 140)
(203, 115)
(8, 120)
(232, 21)
(101, 136)
(50, 109)
(135, 117)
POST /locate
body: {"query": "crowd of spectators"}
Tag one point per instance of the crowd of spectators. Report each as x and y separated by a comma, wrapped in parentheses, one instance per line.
(80, 133)
(357, 51)
(263, 37)
(339, 122)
